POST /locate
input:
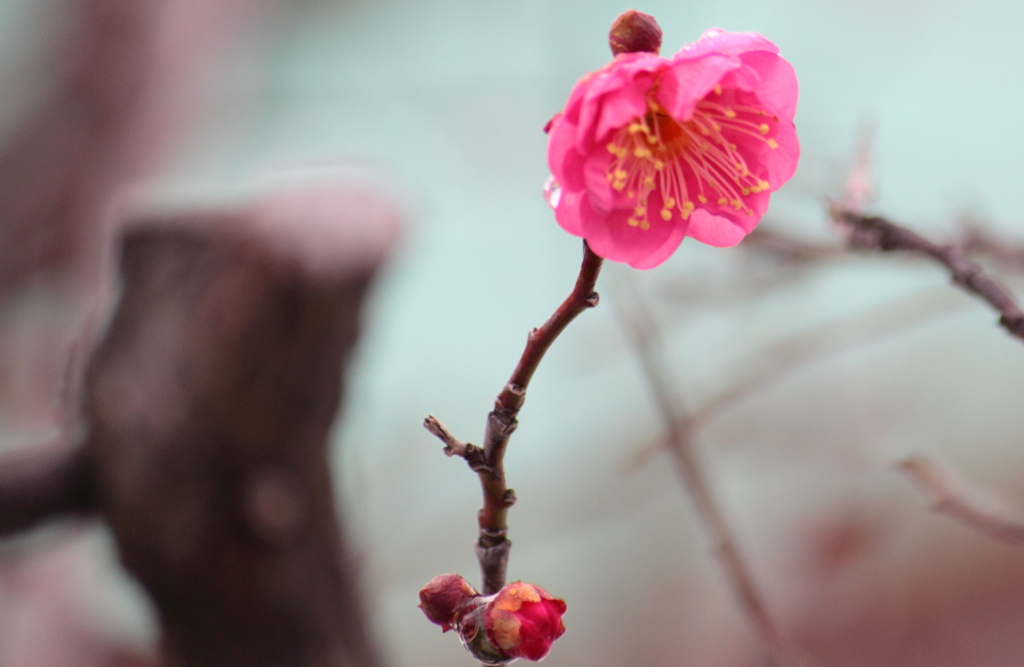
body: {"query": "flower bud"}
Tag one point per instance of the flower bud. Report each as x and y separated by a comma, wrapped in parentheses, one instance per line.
(523, 620)
(444, 599)
(633, 32)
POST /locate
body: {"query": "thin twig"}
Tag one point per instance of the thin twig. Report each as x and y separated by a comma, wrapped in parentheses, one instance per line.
(454, 447)
(977, 240)
(643, 335)
(976, 507)
(873, 232)
(773, 362)
(493, 546)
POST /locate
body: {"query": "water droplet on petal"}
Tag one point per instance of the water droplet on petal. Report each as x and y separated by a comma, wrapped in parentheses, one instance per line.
(552, 192)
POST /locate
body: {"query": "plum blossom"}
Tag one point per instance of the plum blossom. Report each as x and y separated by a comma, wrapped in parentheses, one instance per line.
(524, 620)
(649, 150)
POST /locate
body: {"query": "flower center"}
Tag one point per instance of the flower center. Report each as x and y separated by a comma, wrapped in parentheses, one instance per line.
(689, 160)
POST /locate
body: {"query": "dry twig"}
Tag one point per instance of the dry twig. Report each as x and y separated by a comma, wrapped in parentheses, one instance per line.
(976, 507)
(643, 336)
(775, 361)
(873, 232)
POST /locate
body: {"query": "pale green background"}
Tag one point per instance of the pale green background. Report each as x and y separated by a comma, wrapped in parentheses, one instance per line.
(446, 101)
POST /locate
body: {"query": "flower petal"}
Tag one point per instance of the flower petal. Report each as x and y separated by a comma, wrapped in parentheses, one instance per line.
(564, 161)
(779, 89)
(716, 40)
(611, 237)
(715, 230)
(567, 215)
(688, 81)
(595, 177)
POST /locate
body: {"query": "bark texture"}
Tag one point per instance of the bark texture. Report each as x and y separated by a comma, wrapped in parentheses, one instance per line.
(209, 403)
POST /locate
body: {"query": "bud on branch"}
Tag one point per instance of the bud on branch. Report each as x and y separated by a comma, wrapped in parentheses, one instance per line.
(519, 621)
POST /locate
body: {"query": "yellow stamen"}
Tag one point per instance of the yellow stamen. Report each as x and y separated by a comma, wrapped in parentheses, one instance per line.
(693, 161)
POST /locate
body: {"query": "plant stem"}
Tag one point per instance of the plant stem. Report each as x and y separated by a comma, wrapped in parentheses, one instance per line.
(493, 545)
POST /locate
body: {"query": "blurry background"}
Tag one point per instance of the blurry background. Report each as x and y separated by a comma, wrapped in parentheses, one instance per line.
(444, 102)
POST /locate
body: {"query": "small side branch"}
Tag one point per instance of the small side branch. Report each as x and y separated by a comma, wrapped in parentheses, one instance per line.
(873, 232)
(493, 546)
(954, 496)
(454, 447)
(42, 483)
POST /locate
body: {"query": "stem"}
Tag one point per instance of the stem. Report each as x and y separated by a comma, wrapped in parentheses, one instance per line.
(872, 232)
(493, 545)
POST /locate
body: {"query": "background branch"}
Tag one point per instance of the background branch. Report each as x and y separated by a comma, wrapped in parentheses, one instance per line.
(643, 336)
(775, 361)
(41, 483)
(973, 506)
(873, 232)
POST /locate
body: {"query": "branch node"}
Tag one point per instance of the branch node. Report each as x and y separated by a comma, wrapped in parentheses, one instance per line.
(510, 498)
(502, 421)
(593, 300)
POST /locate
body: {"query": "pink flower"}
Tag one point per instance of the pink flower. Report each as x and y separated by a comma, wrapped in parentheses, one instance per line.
(523, 620)
(649, 150)
(444, 599)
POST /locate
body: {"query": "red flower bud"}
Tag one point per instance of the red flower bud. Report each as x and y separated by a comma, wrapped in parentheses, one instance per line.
(443, 599)
(523, 620)
(633, 32)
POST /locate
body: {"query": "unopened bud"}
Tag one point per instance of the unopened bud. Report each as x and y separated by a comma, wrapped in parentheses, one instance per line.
(444, 599)
(634, 31)
(524, 620)
(519, 621)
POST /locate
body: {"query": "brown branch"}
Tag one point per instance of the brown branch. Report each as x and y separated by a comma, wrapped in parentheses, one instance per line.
(1006, 255)
(643, 335)
(454, 447)
(208, 407)
(872, 232)
(493, 546)
(973, 506)
(41, 483)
